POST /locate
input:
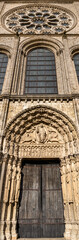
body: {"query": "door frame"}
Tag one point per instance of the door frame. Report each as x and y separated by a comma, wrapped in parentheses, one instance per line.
(42, 161)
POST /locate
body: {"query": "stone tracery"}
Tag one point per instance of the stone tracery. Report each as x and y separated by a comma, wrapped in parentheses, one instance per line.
(39, 20)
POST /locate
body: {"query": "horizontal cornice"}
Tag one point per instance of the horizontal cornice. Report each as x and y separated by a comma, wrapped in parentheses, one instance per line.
(54, 97)
(39, 1)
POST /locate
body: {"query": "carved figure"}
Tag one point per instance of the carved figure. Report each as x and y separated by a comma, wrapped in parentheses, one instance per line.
(52, 136)
(18, 185)
(40, 134)
(69, 187)
(7, 185)
(13, 186)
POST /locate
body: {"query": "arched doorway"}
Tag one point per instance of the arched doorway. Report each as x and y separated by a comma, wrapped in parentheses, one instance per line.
(40, 133)
(41, 210)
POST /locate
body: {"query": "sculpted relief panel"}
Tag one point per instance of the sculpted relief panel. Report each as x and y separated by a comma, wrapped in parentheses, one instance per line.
(40, 141)
(40, 134)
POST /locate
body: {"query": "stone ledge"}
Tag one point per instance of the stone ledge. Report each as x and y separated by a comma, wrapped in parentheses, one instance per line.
(28, 97)
(40, 238)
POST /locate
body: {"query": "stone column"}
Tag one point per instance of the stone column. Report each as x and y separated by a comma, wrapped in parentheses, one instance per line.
(72, 85)
(3, 160)
(11, 68)
(68, 196)
(74, 161)
(66, 87)
(77, 191)
(71, 196)
(60, 73)
(16, 205)
(11, 200)
(17, 73)
(5, 199)
(65, 198)
(75, 186)
(21, 74)
(76, 110)
(3, 116)
(69, 189)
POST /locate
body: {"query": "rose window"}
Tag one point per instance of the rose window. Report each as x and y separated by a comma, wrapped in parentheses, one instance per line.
(39, 21)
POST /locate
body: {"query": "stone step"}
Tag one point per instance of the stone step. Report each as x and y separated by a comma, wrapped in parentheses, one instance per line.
(40, 238)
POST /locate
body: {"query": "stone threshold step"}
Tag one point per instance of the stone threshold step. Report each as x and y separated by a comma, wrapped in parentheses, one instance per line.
(40, 238)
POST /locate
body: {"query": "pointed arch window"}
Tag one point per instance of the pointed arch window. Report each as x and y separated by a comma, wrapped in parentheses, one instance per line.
(41, 72)
(76, 62)
(3, 66)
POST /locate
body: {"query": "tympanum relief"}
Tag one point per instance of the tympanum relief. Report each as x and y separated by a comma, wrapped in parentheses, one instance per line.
(40, 141)
(40, 134)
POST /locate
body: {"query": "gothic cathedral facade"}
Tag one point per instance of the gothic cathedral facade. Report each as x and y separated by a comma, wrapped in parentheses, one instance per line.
(39, 119)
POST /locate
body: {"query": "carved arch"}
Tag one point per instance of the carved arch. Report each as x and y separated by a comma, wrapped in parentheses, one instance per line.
(6, 49)
(27, 45)
(64, 127)
(74, 50)
(36, 41)
(29, 119)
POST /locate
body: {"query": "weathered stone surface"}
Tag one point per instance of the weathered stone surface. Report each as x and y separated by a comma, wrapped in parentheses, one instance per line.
(40, 127)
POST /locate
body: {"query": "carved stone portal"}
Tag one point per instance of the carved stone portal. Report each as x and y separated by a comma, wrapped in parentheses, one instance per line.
(41, 133)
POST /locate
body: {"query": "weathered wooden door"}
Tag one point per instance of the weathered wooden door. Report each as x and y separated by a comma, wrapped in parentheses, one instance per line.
(41, 204)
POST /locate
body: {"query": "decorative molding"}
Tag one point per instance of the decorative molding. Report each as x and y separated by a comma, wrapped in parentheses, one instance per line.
(40, 151)
(29, 97)
(53, 44)
(39, 109)
(74, 50)
(41, 126)
(5, 49)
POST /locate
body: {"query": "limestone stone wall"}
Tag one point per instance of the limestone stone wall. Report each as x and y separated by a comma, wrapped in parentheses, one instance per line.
(21, 116)
(66, 106)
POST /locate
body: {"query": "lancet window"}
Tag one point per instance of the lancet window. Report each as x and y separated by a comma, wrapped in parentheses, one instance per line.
(76, 62)
(3, 66)
(41, 72)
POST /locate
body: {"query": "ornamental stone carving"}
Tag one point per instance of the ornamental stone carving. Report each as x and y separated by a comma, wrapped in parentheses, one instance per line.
(40, 134)
(40, 141)
(39, 20)
(18, 180)
(7, 184)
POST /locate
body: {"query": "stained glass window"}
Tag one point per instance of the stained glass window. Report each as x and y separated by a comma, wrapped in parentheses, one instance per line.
(3, 65)
(41, 72)
(76, 62)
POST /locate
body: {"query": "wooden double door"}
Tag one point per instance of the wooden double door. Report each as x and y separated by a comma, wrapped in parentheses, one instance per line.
(41, 213)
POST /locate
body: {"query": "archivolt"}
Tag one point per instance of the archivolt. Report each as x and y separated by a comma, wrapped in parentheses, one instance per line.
(6, 49)
(38, 41)
(74, 50)
(48, 116)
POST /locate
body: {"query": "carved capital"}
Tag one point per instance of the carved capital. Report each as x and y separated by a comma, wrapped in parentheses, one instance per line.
(59, 52)
(63, 162)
